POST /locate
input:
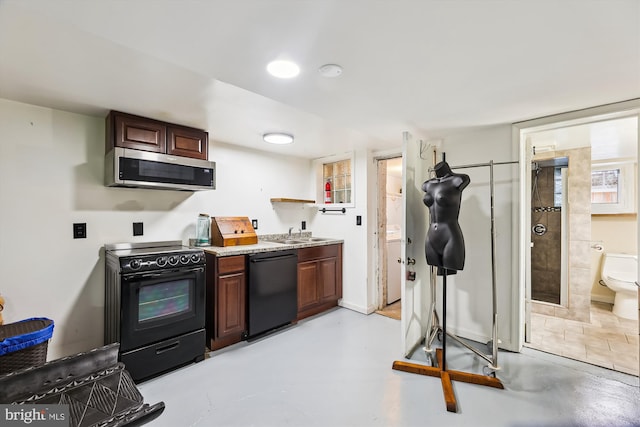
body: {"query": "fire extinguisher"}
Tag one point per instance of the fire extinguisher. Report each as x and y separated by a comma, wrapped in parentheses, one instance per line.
(327, 192)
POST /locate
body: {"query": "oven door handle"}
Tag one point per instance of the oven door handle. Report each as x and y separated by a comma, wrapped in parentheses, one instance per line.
(164, 273)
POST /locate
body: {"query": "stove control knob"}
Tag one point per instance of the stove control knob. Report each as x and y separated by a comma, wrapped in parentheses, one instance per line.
(195, 258)
(135, 264)
(184, 259)
(173, 260)
(161, 261)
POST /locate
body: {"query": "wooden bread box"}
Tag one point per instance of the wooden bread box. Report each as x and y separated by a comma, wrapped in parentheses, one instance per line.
(232, 231)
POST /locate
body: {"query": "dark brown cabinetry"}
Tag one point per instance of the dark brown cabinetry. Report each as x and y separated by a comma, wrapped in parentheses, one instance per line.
(141, 133)
(226, 300)
(319, 279)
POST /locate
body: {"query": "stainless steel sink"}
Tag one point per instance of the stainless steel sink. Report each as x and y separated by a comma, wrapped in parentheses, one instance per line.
(289, 241)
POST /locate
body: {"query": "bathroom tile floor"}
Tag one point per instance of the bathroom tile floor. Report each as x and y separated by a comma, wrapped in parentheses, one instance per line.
(608, 341)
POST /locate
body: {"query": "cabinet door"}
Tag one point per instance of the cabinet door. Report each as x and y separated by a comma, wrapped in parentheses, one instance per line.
(231, 305)
(139, 133)
(187, 142)
(307, 285)
(328, 286)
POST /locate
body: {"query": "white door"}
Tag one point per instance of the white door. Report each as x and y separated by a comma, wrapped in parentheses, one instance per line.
(394, 292)
(415, 272)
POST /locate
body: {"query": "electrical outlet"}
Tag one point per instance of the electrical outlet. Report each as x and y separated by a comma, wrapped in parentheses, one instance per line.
(80, 230)
(138, 229)
(254, 224)
(303, 226)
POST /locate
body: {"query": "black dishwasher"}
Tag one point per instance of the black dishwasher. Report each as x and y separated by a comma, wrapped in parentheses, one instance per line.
(273, 290)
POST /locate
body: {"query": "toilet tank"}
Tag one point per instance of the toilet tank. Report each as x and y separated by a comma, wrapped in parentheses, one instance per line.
(620, 266)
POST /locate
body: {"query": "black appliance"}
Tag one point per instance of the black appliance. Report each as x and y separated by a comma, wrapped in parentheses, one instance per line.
(273, 292)
(155, 305)
(126, 167)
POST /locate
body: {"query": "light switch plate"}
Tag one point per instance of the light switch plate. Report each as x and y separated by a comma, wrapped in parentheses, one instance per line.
(138, 229)
(80, 230)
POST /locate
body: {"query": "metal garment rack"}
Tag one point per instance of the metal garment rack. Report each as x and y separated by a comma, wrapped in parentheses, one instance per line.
(433, 327)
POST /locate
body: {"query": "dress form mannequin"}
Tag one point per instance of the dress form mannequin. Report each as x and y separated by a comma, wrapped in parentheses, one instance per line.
(444, 245)
(444, 249)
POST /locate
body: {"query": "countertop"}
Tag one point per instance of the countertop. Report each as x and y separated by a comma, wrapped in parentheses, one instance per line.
(268, 245)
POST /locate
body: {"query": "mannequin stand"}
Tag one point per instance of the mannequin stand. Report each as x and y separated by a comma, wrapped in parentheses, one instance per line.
(446, 376)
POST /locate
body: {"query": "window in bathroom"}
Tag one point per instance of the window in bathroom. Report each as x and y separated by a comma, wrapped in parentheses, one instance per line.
(613, 188)
(605, 186)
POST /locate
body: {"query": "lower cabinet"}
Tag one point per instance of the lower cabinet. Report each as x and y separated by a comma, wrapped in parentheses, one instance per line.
(226, 321)
(319, 279)
(319, 289)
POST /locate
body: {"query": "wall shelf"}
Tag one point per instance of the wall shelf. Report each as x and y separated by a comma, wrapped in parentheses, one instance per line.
(286, 200)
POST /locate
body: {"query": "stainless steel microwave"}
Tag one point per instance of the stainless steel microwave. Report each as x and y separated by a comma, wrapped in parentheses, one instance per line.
(124, 167)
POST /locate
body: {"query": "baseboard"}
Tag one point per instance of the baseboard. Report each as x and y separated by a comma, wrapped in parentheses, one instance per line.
(360, 309)
(608, 299)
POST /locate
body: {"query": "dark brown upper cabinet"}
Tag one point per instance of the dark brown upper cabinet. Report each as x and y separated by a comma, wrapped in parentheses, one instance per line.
(141, 133)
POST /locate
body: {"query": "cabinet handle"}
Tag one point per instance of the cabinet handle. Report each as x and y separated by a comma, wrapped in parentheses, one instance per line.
(399, 260)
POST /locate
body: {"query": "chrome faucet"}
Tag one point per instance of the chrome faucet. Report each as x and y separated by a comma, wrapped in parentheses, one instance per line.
(290, 231)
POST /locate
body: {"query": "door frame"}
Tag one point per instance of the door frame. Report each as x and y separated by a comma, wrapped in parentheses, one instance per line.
(380, 258)
(522, 209)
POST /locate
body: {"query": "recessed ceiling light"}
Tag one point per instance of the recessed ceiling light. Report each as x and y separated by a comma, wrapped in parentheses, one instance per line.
(278, 138)
(283, 69)
(330, 70)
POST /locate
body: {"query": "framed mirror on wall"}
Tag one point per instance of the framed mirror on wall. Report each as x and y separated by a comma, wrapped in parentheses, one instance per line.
(613, 188)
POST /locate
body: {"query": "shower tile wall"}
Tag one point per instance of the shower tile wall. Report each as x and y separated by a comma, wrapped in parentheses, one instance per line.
(579, 246)
(546, 258)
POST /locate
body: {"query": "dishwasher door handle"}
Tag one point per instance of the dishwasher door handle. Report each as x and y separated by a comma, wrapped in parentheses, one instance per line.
(273, 258)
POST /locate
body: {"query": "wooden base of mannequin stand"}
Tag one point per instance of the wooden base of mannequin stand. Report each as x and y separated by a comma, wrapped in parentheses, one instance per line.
(441, 370)
(446, 376)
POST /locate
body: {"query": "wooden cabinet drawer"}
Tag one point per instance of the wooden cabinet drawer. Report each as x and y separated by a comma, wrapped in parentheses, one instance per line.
(231, 264)
(317, 252)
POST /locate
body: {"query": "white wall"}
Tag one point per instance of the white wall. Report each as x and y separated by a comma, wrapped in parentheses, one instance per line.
(51, 175)
(469, 308)
(358, 292)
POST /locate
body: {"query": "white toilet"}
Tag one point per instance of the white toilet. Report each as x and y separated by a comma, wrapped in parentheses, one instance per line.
(619, 273)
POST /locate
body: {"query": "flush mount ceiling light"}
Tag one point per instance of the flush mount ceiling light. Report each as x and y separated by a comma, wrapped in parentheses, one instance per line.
(279, 138)
(330, 70)
(283, 69)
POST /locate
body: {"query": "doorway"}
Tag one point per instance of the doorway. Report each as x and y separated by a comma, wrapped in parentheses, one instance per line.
(390, 218)
(582, 326)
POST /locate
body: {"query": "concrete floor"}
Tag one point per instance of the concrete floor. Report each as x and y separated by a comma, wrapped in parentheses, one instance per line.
(335, 370)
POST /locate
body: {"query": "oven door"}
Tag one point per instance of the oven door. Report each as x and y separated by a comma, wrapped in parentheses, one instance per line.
(161, 305)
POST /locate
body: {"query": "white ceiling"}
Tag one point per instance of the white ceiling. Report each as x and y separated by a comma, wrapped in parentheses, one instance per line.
(425, 66)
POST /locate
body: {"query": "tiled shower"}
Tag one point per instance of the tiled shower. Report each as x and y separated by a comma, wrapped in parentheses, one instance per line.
(557, 252)
(546, 233)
